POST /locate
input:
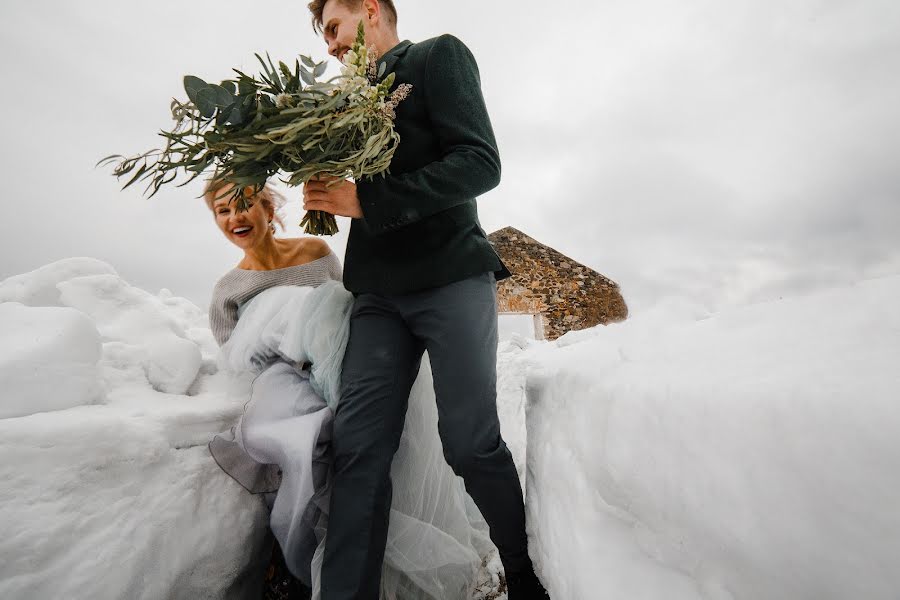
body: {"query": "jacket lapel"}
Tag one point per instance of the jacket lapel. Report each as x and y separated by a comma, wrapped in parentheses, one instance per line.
(392, 55)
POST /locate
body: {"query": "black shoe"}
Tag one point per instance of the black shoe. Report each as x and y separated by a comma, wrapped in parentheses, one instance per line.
(525, 586)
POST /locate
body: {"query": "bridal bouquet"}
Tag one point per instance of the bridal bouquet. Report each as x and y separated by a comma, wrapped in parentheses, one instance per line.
(284, 122)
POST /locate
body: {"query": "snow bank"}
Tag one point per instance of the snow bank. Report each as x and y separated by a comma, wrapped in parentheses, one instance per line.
(753, 454)
(42, 348)
(38, 288)
(134, 317)
(109, 396)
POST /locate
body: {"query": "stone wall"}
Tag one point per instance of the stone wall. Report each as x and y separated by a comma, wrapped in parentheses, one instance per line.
(569, 295)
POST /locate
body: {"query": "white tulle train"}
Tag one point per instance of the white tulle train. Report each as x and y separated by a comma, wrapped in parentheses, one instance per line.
(436, 538)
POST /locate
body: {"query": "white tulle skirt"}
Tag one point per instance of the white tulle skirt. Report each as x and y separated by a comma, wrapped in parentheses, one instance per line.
(436, 538)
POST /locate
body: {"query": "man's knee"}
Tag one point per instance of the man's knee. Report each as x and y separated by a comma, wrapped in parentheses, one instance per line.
(466, 456)
(362, 446)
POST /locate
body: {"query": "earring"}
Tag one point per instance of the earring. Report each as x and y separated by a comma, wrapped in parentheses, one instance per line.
(272, 227)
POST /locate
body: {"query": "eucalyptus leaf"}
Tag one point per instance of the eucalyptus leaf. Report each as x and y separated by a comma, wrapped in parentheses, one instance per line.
(137, 175)
(246, 85)
(320, 69)
(308, 61)
(263, 63)
(192, 85)
(206, 102)
(275, 76)
(271, 76)
(285, 70)
(222, 115)
(307, 77)
(107, 159)
(221, 96)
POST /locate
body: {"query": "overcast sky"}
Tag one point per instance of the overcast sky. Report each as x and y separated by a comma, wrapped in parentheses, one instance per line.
(716, 151)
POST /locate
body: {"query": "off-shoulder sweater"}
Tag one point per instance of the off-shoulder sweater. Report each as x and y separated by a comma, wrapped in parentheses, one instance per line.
(238, 286)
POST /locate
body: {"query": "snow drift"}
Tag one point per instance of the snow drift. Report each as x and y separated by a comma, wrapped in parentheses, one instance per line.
(109, 396)
(41, 348)
(753, 454)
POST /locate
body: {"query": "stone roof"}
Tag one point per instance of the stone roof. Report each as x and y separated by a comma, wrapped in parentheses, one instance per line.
(569, 295)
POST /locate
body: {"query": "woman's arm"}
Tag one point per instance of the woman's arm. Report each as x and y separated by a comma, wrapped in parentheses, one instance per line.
(335, 271)
(222, 315)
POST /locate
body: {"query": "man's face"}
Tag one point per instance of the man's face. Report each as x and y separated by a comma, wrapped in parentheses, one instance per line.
(339, 25)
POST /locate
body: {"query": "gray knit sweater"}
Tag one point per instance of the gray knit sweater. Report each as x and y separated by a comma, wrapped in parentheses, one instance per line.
(238, 286)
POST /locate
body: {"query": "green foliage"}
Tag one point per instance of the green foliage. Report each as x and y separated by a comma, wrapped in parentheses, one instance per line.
(282, 121)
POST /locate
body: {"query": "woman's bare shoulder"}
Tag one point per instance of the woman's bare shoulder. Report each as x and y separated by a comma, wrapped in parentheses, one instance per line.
(307, 249)
(318, 246)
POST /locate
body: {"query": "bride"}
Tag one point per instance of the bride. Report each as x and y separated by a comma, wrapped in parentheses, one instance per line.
(283, 315)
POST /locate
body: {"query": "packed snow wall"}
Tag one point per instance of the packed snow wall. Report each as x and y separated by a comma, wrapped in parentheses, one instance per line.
(753, 454)
(108, 397)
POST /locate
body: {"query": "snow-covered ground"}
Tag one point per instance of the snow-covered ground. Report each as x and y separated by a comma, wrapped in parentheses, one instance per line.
(752, 454)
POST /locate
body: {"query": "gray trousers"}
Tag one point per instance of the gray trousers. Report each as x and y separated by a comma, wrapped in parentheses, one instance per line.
(457, 324)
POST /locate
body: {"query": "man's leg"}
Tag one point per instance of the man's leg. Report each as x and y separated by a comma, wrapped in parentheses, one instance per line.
(380, 365)
(459, 325)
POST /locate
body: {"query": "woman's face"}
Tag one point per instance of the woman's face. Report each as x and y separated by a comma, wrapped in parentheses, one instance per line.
(243, 229)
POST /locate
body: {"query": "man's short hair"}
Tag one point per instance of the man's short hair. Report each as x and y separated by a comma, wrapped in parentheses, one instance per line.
(316, 7)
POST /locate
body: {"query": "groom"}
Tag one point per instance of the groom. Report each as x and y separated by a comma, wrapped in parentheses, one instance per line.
(424, 276)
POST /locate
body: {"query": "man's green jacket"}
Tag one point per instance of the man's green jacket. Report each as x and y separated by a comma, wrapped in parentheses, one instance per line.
(420, 225)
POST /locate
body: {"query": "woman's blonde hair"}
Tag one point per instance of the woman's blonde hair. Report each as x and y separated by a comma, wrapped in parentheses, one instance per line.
(268, 196)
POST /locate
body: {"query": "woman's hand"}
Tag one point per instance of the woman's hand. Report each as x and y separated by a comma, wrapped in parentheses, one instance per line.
(336, 198)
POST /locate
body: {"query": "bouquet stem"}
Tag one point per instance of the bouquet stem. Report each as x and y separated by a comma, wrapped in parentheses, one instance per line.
(319, 222)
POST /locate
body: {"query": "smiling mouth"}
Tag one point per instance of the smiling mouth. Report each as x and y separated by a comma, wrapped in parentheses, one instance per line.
(241, 231)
